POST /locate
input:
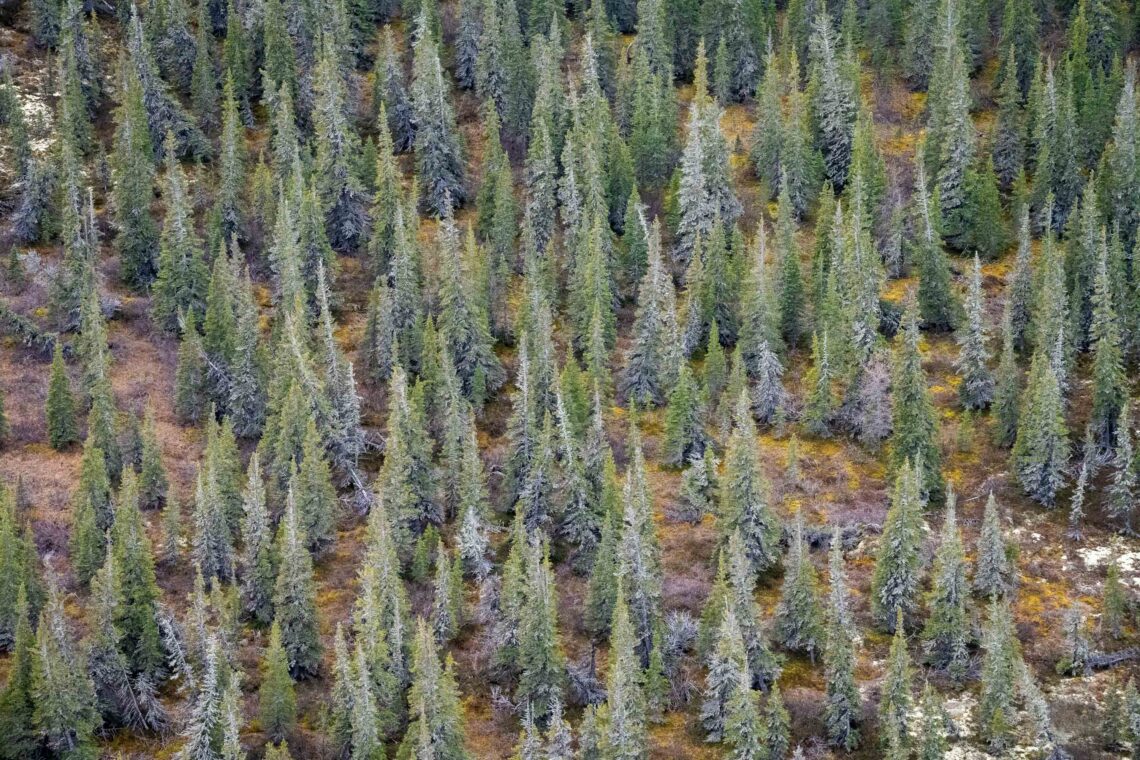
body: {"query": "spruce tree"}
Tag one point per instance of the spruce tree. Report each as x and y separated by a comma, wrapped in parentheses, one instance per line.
(1007, 387)
(276, 701)
(705, 192)
(777, 724)
(993, 574)
(914, 424)
(316, 498)
(153, 482)
(1132, 707)
(45, 22)
(716, 365)
(977, 387)
(106, 664)
(17, 706)
(182, 277)
(341, 195)
(382, 608)
(439, 152)
(898, 565)
(842, 707)
(1041, 450)
(801, 166)
(790, 288)
(1109, 386)
(93, 514)
(1080, 488)
(294, 598)
(213, 543)
(15, 126)
(390, 85)
(833, 102)
(931, 728)
(76, 277)
(246, 400)
(1008, 150)
(601, 589)
(624, 712)
(685, 436)
(1050, 321)
(1001, 655)
(387, 199)
(447, 591)
(227, 218)
(744, 492)
(937, 304)
(65, 713)
(1125, 475)
(203, 727)
(171, 528)
(1114, 603)
(279, 69)
(464, 331)
(132, 165)
(951, 130)
(759, 324)
(743, 731)
(799, 622)
(1121, 156)
(946, 632)
(204, 75)
(137, 587)
(727, 669)
(651, 139)
(474, 543)
(985, 232)
(257, 561)
(278, 752)
(436, 728)
(403, 476)
(232, 722)
(767, 137)
(649, 371)
(223, 461)
(769, 396)
(19, 565)
(237, 56)
(1084, 251)
(919, 44)
(530, 740)
(639, 552)
(62, 428)
(896, 699)
(165, 115)
(821, 405)
(737, 591)
(540, 654)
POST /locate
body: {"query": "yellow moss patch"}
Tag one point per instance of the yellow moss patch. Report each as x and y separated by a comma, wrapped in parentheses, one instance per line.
(897, 290)
(853, 476)
(816, 448)
(997, 269)
(1039, 598)
(651, 422)
(799, 672)
(673, 738)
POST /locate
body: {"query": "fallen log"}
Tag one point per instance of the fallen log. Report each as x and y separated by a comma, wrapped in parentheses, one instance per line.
(25, 330)
(1105, 660)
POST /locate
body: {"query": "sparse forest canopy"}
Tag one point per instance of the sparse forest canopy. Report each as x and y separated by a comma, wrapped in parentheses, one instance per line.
(447, 379)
